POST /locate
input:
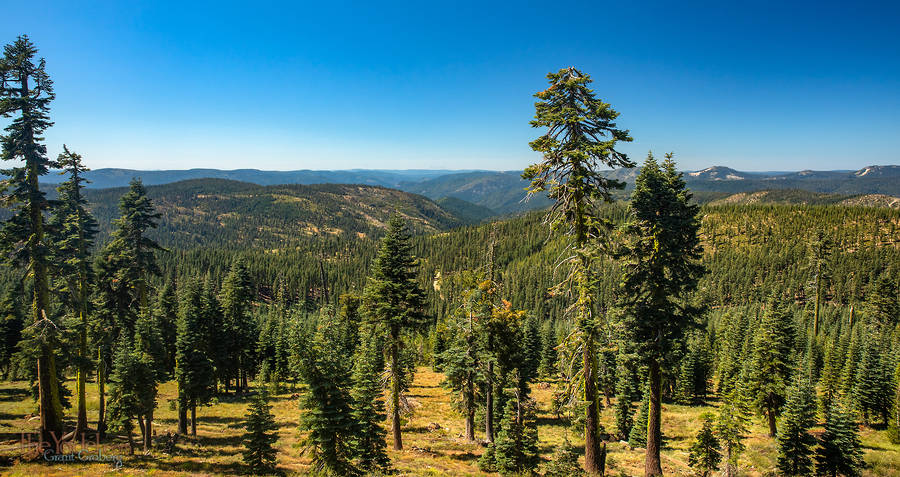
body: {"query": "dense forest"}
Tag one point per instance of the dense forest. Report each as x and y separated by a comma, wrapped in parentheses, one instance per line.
(615, 303)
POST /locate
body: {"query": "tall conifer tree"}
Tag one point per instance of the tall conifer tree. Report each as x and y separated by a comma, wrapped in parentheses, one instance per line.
(770, 371)
(795, 443)
(74, 231)
(580, 140)
(26, 91)
(394, 301)
(661, 268)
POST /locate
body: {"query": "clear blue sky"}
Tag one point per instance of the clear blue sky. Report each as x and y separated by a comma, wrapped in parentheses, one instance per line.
(326, 85)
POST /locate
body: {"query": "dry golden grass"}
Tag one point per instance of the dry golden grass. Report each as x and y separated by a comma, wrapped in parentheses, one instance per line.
(429, 450)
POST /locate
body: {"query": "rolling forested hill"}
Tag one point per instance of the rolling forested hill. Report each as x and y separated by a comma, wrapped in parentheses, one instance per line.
(224, 213)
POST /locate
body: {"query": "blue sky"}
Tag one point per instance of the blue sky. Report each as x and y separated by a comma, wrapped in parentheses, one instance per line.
(330, 85)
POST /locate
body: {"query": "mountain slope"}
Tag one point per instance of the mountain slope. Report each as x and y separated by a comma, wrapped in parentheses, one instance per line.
(238, 214)
(503, 192)
(467, 211)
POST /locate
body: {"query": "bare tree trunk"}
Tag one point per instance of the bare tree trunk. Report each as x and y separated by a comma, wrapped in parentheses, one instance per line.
(489, 406)
(395, 388)
(470, 412)
(591, 418)
(101, 391)
(193, 419)
(182, 413)
(81, 379)
(652, 466)
(770, 414)
(140, 420)
(148, 438)
(130, 441)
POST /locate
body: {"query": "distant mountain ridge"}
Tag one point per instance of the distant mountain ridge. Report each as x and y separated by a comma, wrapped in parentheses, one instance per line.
(503, 192)
(114, 177)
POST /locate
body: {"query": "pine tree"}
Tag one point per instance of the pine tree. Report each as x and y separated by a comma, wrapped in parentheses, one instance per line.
(580, 140)
(795, 443)
(516, 449)
(368, 410)
(26, 92)
(731, 427)
(74, 230)
(259, 455)
(661, 268)
(564, 462)
(394, 301)
(770, 368)
(840, 451)
(704, 456)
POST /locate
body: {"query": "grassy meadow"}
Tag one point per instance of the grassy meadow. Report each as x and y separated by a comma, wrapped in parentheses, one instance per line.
(433, 438)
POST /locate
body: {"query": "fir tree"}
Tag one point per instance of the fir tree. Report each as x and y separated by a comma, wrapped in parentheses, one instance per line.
(259, 455)
(26, 92)
(731, 427)
(795, 443)
(461, 365)
(564, 462)
(770, 367)
(133, 388)
(637, 437)
(165, 313)
(661, 268)
(840, 451)
(368, 410)
(830, 379)
(74, 230)
(328, 413)
(819, 258)
(394, 301)
(123, 268)
(548, 350)
(882, 304)
(704, 456)
(580, 140)
(239, 333)
(627, 391)
(124, 400)
(873, 387)
(11, 325)
(531, 349)
(194, 371)
(893, 430)
(516, 449)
